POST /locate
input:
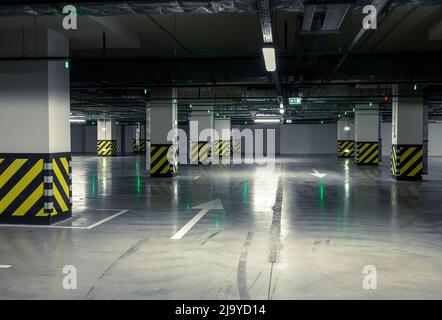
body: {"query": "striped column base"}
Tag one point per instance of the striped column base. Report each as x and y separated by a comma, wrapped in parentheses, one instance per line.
(407, 162)
(200, 152)
(236, 146)
(222, 148)
(139, 147)
(35, 188)
(367, 153)
(346, 148)
(107, 148)
(163, 160)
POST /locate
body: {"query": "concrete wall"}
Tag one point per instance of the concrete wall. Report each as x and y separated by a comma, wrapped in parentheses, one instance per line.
(84, 139)
(435, 139)
(309, 138)
(290, 138)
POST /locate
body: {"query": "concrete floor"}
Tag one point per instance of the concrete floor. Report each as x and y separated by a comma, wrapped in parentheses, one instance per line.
(282, 234)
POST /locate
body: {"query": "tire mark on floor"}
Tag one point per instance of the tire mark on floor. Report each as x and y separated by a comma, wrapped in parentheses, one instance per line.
(256, 279)
(241, 271)
(210, 237)
(275, 233)
(129, 252)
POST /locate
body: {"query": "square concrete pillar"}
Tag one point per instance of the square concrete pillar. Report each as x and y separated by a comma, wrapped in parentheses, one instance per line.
(163, 132)
(367, 135)
(35, 143)
(106, 138)
(407, 159)
(346, 144)
(201, 135)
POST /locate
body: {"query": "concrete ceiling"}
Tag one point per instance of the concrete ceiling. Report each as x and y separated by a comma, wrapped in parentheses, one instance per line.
(402, 29)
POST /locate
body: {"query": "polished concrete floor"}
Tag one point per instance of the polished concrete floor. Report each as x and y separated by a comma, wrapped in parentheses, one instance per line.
(282, 234)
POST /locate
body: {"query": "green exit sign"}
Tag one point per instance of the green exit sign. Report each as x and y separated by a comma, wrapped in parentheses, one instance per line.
(294, 101)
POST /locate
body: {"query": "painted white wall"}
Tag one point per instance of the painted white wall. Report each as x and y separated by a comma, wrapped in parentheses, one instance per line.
(308, 138)
(435, 139)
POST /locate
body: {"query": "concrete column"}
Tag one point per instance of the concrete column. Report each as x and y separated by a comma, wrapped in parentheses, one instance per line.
(367, 135)
(148, 138)
(346, 144)
(139, 141)
(35, 146)
(201, 139)
(222, 147)
(407, 133)
(163, 132)
(106, 138)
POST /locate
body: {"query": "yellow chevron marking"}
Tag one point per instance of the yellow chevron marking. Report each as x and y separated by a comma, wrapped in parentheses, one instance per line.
(60, 178)
(166, 169)
(30, 201)
(367, 153)
(100, 146)
(204, 148)
(11, 170)
(159, 164)
(59, 199)
(412, 161)
(157, 154)
(21, 185)
(65, 164)
(374, 155)
(365, 146)
(42, 213)
(54, 212)
(152, 148)
(1, 160)
(416, 170)
(406, 154)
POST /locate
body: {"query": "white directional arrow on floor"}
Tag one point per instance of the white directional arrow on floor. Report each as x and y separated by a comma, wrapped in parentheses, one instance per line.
(317, 174)
(204, 208)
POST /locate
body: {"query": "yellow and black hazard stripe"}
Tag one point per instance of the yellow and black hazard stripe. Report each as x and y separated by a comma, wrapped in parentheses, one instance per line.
(163, 160)
(142, 145)
(138, 146)
(35, 188)
(222, 148)
(407, 162)
(135, 146)
(367, 153)
(200, 152)
(236, 148)
(107, 148)
(59, 168)
(346, 148)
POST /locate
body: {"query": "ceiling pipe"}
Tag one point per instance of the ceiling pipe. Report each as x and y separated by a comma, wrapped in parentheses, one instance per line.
(380, 6)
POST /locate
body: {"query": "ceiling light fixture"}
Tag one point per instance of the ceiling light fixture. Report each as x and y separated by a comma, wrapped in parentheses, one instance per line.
(269, 58)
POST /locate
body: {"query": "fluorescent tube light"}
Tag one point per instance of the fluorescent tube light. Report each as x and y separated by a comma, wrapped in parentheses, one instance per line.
(269, 58)
(77, 120)
(347, 128)
(269, 120)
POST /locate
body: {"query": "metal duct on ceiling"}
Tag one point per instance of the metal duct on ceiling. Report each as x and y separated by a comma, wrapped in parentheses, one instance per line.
(105, 8)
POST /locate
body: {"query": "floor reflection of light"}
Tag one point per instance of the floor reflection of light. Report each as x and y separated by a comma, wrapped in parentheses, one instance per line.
(264, 190)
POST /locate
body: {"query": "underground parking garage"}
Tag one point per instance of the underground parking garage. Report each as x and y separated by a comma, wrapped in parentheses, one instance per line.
(242, 150)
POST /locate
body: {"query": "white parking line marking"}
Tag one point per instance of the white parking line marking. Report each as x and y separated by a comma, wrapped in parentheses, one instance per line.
(56, 226)
(5, 266)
